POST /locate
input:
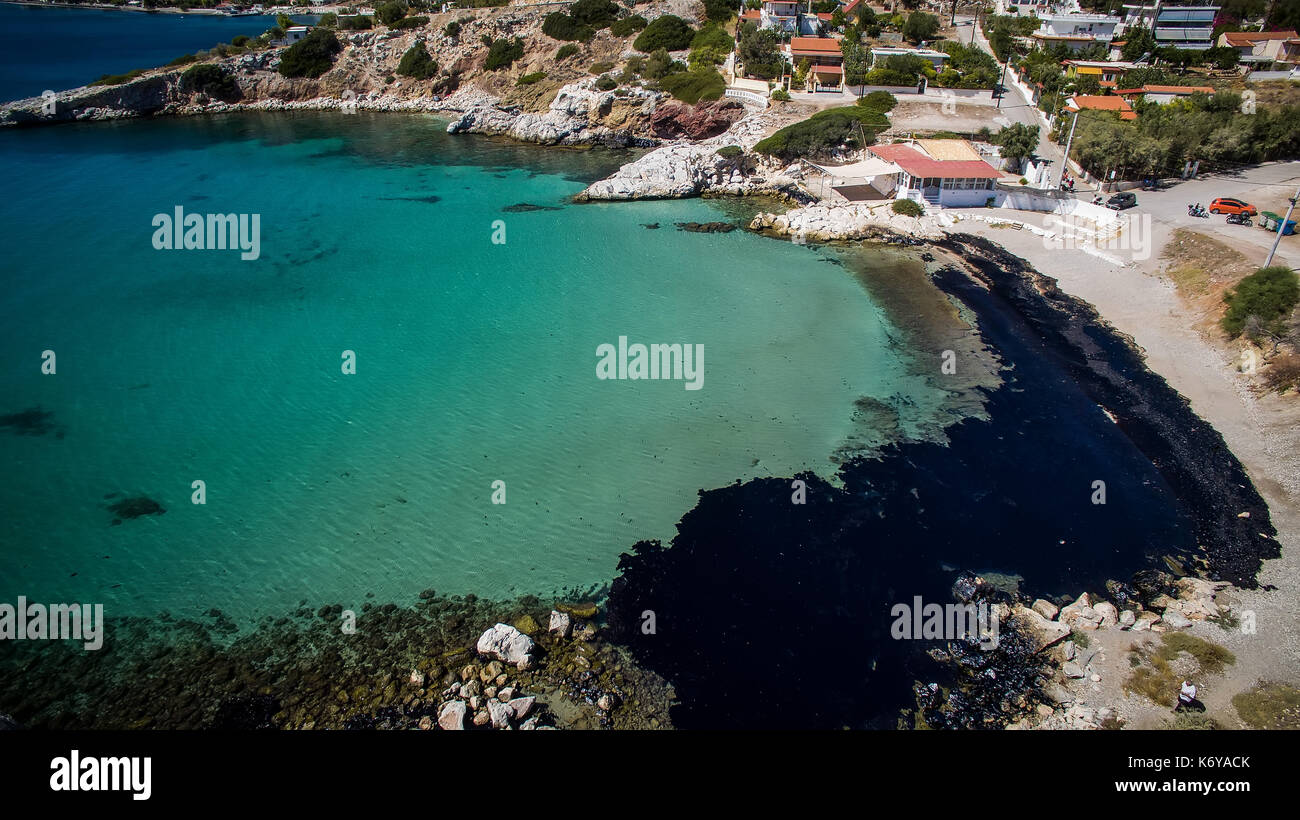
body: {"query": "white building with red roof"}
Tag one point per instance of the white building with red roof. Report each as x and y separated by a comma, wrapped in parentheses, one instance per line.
(948, 173)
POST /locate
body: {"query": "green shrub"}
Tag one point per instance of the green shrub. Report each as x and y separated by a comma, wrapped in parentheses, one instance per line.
(502, 53)
(560, 26)
(595, 13)
(697, 84)
(329, 20)
(184, 59)
(409, 22)
(241, 41)
(1261, 303)
(417, 64)
(730, 151)
(781, 95)
(358, 22)
(881, 101)
(212, 80)
(659, 65)
(118, 79)
(599, 68)
(566, 51)
(311, 56)
(390, 12)
(452, 29)
(627, 26)
(606, 83)
(906, 207)
(529, 79)
(667, 32)
(823, 132)
(720, 11)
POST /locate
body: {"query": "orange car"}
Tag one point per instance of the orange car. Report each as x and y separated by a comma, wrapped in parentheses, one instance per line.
(1228, 205)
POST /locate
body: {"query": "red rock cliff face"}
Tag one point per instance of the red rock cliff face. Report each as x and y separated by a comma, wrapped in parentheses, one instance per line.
(707, 119)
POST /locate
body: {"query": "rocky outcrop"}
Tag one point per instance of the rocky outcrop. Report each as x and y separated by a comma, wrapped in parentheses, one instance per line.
(695, 122)
(847, 221)
(578, 115)
(685, 169)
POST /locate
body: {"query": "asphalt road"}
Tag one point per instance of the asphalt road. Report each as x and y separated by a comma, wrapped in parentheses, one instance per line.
(1267, 187)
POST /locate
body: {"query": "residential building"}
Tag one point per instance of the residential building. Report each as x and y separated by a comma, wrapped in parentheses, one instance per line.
(826, 62)
(1068, 25)
(296, 33)
(1088, 102)
(880, 53)
(782, 15)
(1025, 8)
(1163, 94)
(1189, 27)
(948, 173)
(1264, 49)
(1106, 72)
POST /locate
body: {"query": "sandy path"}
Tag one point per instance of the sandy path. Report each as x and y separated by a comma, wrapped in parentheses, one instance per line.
(1262, 431)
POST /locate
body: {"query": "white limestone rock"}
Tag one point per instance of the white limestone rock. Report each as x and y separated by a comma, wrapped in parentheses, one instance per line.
(505, 643)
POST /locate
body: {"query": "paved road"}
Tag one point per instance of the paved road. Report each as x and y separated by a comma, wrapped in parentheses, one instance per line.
(1267, 187)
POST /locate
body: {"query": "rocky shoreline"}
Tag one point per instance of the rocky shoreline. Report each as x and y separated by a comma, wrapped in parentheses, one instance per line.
(449, 663)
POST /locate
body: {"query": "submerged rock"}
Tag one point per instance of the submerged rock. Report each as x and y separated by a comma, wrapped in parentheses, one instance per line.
(136, 507)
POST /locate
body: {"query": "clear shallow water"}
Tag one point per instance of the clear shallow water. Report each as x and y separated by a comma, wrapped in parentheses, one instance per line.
(58, 48)
(476, 363)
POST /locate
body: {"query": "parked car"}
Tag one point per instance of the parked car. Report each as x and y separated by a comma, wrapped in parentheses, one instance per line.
(1228, 205)
(1122, 200)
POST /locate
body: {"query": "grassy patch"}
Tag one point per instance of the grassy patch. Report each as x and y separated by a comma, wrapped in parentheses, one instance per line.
(1194, 721)
(1154, 678)
(1269, 706)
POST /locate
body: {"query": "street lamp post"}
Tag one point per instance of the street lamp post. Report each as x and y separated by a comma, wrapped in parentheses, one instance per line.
(1002, 86)
(1065, 161)
(1282, 227)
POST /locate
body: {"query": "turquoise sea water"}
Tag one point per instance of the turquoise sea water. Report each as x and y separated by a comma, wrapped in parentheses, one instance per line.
(476, 362)
(58, 48)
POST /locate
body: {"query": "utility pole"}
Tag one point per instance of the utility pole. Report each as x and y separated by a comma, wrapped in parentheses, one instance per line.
(1002, 84)
(1065, 162)
(1282, 227)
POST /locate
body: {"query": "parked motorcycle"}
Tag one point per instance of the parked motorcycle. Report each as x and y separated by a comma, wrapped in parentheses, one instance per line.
(1240, 219)
(1198, 210)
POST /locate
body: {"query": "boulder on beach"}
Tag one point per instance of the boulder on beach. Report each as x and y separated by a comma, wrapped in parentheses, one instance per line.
(1045, 633)
(505, 643)
(452, 716)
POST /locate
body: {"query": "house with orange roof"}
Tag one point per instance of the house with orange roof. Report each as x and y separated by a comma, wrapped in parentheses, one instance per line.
(1163, 94)
(1090, 102)
(1262, 49)
(826, 72)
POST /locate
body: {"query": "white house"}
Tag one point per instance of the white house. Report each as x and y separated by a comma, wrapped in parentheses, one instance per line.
(936, 58)
(947, 173)
(1187, 27)
(782, 15)
(296, 33)
(1076, 29)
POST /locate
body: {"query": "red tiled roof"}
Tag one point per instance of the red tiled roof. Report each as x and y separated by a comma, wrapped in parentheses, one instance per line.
(1247, 38)
(1095, 103)
(919, 165)
(850, 6)
(821, 45)
(821, 15)
(1167, 89)
(828, 69)
(752, 14)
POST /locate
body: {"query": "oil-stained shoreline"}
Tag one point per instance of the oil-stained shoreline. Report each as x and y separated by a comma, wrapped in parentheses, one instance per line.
(760, 602)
